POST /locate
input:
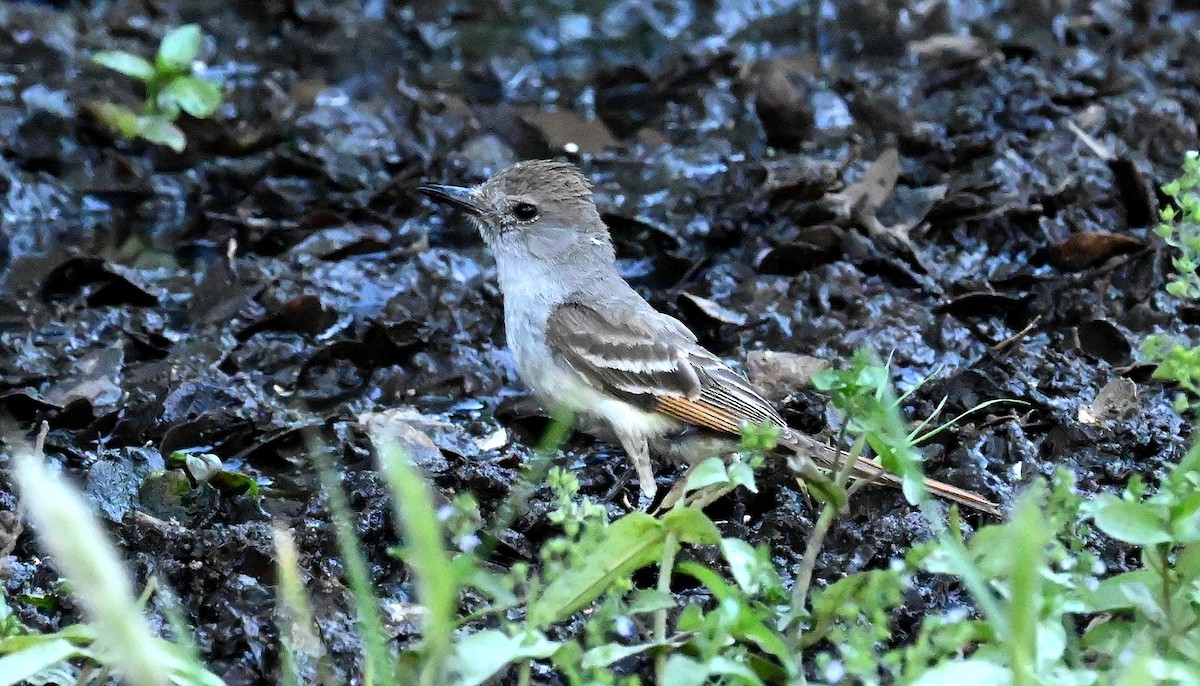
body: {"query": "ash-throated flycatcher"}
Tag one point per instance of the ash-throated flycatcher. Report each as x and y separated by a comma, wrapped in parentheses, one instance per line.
(586, 342)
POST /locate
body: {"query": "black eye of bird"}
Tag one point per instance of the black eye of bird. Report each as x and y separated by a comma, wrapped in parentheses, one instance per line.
(525, 211)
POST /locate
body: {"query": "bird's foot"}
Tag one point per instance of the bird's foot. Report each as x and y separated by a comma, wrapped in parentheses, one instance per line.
(645, 502)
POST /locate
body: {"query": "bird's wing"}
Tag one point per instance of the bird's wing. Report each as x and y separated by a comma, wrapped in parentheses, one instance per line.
(655, 363)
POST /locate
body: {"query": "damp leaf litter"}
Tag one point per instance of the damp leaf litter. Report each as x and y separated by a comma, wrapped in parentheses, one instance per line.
(997, 201)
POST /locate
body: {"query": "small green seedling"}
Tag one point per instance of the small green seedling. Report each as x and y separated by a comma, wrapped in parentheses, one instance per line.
(1179, 227)
(170, 89)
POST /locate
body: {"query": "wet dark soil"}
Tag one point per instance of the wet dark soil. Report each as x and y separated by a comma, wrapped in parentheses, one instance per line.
(968, 187)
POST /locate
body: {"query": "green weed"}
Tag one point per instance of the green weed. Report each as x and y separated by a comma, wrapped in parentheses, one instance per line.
(171, 88)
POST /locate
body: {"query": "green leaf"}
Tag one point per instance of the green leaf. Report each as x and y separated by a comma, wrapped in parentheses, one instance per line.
(1185, 519)
(117, 118)
(125, 63)
(1187, 562)
(489, 584)
(741, 474)
(720, 588)
(179, 49)
(1051, 644)
(1190, 464)
(605, 655)
(197, 97)
(1026, 579)
(743, 562)
(45, 602)
(684, 671)
(691, 619)
(1138, 666)
(692, 526)
(1109, 594)
(971, 671)
(16, 667)
(235, 483)
(650, 600)
(158, 130)
(707, 473)
(760, 438)
(828, 603)
(482, 655)
(826, 491)
(626, 545)
(1143, 597)
(748, 624)
(730, 667)
(438, 580)
(1136, 523)
(1109, 636)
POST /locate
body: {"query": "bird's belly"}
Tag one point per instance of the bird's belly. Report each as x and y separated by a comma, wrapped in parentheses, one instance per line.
(560, 388)
(595, 412)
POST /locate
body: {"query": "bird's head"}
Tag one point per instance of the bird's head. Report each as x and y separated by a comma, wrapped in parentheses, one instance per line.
(542, 207)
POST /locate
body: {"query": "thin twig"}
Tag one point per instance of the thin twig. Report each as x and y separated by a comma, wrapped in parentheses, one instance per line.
(708, 496)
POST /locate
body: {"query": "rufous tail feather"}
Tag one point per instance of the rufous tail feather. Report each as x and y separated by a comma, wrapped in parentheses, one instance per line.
(866, 468)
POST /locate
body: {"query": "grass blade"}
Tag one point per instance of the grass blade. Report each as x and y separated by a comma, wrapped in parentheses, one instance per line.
(301, 649)
(437, 582)
(379, 664)
(83, 553)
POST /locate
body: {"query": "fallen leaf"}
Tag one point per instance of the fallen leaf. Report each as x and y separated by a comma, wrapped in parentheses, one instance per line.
(778, 373)
(565, 131)
(1115, 401)
(782, 107)
(1090, 248)
(1104, 341)
(948, 49)
(864, 198)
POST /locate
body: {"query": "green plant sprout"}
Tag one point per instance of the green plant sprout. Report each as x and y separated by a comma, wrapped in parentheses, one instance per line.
(171, 88)
(1180, 228)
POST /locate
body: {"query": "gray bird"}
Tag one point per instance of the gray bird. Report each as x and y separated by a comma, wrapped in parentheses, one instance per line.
(585, 342)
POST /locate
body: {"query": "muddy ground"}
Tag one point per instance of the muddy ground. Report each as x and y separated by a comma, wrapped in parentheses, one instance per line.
(283, 275)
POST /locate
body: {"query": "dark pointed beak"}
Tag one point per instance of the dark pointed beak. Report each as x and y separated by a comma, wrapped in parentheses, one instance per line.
(457, 196)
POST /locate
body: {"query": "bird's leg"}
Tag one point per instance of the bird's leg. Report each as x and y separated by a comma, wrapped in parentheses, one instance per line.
(645, 474)
(639, 454)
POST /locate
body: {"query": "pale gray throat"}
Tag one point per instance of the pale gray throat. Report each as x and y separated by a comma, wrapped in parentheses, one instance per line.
(532, 287)
(538, 273)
